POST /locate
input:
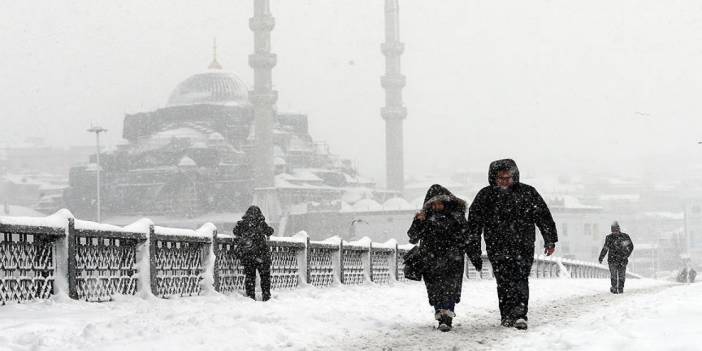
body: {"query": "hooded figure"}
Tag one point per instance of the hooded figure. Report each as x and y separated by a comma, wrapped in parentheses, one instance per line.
(619, 246)
(440, 229)
(506, 212)
(251, 235)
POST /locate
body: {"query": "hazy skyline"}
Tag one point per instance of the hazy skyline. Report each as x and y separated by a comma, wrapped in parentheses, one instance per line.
(571, 86)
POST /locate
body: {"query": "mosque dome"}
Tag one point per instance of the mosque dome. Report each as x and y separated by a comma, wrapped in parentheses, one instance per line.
(214, 87)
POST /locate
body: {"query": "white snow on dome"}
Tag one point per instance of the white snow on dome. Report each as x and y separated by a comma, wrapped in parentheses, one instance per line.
(186, 162)
(367, 205)
(215, 137)
(212, 87)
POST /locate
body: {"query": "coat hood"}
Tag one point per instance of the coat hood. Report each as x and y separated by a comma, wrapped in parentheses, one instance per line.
(438, 193)
(506, 164)
(253, 214)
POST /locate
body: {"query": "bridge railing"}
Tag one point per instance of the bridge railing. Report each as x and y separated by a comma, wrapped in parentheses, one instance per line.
(59, 254)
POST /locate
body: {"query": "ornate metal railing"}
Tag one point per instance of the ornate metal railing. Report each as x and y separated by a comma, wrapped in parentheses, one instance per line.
(382, 262)
(353, 266)
(95, 262)
(320, 264)
(285, 268)
(228, 270)
(177, 262)
(27, 262)
(102, 263)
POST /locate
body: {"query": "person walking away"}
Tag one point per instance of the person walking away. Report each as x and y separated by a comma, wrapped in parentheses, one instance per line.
(619, 247)
(439, 228)
(251, 235)
(506, 212)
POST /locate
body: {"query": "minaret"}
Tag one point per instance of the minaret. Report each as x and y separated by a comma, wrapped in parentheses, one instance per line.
(263, 97)
(394, 111)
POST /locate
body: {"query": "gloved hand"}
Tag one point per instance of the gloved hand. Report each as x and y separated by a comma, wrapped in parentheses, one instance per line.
(549, 249)
(477, 262)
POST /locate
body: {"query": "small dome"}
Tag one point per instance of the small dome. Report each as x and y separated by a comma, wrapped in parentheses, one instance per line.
(186, 162)
(215, 137)
(214, 87)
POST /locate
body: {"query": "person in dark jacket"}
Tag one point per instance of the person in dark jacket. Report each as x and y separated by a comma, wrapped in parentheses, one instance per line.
(251, 235)
(620, 247)
(506, 213)
(439, 228)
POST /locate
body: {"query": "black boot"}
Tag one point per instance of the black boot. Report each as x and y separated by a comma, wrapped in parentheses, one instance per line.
(445, 323)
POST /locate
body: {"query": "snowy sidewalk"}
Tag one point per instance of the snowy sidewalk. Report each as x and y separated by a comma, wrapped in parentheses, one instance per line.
(565, 315)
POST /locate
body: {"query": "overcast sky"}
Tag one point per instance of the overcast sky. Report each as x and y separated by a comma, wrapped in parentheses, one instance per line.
(602, 85)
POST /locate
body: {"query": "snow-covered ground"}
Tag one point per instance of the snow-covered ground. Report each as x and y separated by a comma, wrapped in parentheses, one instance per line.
(564, 315)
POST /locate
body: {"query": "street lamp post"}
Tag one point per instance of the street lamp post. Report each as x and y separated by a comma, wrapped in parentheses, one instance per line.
(97, 130)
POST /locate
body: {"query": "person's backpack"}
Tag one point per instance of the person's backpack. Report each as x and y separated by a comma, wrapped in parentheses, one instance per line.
(622, 247)
(414, 264)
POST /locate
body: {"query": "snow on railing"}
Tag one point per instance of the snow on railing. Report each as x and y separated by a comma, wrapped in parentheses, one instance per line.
(60, 255)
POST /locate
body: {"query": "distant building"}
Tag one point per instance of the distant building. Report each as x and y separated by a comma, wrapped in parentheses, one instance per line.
(195, 156)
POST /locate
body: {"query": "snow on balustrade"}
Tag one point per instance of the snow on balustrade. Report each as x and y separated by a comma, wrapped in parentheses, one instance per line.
(102, 260)
(354, 269)
(41, 257)
(285, 268)
(178, 260)
(229, 272)
(27, 255)
(321, 265)
(383, 257)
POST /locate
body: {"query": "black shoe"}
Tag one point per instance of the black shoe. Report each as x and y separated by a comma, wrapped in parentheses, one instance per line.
(265, 297)
(445, 323)
(613, 290)
(521, 324)
(507, 323)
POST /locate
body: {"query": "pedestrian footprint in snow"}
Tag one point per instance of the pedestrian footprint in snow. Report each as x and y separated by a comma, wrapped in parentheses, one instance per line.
(251, 235)
(620, 247)
(439, 229)
(506, 212)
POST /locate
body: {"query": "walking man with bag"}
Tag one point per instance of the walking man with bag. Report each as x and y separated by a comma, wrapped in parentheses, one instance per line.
(619, 246)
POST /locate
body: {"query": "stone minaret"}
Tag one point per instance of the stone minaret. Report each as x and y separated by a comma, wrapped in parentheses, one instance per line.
(394, 111)
(263, 97)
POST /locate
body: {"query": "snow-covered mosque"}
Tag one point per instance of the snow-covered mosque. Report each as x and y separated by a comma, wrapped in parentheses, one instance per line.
(195, 155)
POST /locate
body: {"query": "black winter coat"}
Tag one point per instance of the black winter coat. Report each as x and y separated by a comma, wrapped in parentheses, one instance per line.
(508, 218)
(442, 239)
(251, 235)
(619, 247)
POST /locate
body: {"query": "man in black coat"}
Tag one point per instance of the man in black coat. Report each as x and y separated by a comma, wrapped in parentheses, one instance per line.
(506, 212)
(251, 235)
(620, 247)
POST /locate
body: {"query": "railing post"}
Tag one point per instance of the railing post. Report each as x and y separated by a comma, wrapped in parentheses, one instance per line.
(303, 266)
(368, 263)
(218, 254)
(72, 271)
(393, 264)
(152, 261)
(341, 261)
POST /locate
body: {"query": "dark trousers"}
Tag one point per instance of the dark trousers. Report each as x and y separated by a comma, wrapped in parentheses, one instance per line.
(264, 271)
(512, 276)
(617, 273)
